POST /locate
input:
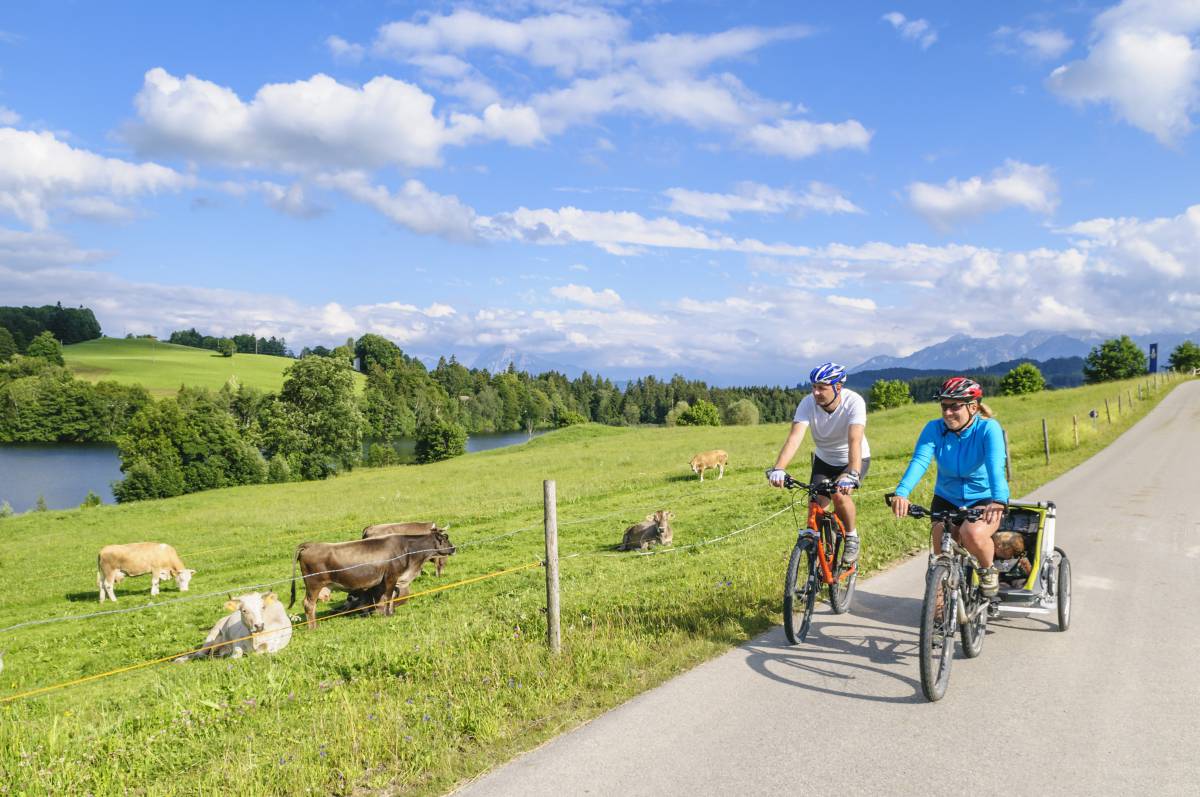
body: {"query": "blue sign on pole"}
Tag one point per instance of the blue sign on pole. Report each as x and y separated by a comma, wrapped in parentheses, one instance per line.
(1153, 358)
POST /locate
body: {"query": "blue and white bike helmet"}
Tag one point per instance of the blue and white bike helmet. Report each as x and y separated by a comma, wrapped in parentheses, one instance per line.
(828, 373)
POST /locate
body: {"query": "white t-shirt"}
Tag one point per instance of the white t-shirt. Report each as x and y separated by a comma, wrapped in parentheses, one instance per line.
(830, 430)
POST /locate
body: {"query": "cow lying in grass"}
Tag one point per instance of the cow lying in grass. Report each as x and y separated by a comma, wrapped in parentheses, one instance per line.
(710, 459)
(115, 562)
(256, 623)
(654, 530)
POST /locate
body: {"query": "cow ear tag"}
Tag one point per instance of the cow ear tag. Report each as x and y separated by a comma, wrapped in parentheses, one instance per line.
(230, 606)
(270, 598)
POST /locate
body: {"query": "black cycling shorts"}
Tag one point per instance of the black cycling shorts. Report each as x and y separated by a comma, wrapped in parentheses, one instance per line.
(823, 470)
(942, 505)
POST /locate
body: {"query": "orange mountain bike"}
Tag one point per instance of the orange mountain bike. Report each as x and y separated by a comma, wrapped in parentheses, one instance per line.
(816, 559)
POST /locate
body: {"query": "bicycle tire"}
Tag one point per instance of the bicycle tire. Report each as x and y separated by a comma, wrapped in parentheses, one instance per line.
(937, 637)
(1063, 598)
(800, 591)
(841, 591)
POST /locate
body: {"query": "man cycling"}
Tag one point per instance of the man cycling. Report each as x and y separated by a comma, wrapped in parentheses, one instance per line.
(968, 446)
(838, 417)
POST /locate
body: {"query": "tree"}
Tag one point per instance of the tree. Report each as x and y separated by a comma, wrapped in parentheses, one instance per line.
(315, 422)
(226, 347)
(381, 455)
(1025, 378)
(90, 500)
(888, 393)
(372, 349)
(1185, 357)
(742, 412)
(8, 345)
(702, 413)
(439, 439)
(47, 347)
(673, 414)
(1118, 358)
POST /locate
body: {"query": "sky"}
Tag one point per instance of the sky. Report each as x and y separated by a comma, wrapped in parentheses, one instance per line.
(729, 190)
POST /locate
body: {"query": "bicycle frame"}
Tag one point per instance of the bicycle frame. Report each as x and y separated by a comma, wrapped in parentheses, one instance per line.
(823, 524)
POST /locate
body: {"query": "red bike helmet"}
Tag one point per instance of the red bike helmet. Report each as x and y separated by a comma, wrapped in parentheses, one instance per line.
(960, 388)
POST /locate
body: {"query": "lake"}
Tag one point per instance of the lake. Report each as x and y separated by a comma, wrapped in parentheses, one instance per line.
(64, 473)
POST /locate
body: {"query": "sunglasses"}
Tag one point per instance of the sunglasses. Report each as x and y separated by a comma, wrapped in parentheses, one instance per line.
(953, 407)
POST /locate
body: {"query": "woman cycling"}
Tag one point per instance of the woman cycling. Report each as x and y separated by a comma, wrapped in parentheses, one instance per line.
(969, 448)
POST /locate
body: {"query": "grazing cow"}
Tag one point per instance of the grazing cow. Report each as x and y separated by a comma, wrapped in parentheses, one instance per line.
(384, 565)
(256, 623)
(115, 562)
(411, 529)
(710, 459)
(655, 529)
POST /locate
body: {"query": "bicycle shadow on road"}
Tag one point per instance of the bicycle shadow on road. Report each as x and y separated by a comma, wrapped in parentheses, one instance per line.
(839, 651)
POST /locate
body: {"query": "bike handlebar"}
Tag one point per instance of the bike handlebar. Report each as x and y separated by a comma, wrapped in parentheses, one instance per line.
(955, 516)
(824, 487)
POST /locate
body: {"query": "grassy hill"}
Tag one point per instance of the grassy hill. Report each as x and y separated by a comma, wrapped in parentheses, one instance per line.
(162, 367)
(458, 680)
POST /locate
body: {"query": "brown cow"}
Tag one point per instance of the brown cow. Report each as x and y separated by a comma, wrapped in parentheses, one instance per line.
(710, 459)
(410, 529)
(655, 529)
(382, 565)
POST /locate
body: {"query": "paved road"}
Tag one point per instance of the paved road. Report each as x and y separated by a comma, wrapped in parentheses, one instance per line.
(1110, 707)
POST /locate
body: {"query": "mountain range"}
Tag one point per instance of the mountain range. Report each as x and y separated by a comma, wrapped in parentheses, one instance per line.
(963, 351)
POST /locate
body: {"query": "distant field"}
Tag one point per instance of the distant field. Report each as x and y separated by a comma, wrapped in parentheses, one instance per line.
(162, 367)
(458, 681)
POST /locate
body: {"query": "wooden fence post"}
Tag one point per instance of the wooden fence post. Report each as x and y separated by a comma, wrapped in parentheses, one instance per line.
(1129, 393)
(1046, 440)
(553, 631)
(1007, 458)
(1120, 399)
(1107, 411)
(1075, 427)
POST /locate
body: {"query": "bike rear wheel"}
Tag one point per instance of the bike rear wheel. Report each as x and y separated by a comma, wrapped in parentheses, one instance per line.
(841, 591)
(800, 591)
(974, 630)
(937, 634)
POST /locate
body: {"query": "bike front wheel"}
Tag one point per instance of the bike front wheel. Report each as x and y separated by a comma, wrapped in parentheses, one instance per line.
(937, 633)
(800, 592)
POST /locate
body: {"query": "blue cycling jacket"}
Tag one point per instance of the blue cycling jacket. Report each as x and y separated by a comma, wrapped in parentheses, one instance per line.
(970, 463)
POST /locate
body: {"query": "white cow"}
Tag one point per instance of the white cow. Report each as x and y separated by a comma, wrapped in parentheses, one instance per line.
(256, 623)
(115, 562)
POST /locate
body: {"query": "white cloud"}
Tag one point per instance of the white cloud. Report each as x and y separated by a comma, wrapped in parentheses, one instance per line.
(756, 198)
(1111, 275)
(1043, 43)
(581, 294)
(343, 50)
(39, 173)
(918, 30)
(9, 116)
(413, 206)
(31, 251)
(619, 233)
(796, 138)
(852, 303)
(312, 124)
(1015, 184)
(1144, 62)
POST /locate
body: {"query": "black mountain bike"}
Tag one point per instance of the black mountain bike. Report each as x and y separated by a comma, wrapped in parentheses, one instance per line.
(953, 602)
(816, 559)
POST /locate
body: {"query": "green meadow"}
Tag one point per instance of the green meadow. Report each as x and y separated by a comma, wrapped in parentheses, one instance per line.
(456, 681)
(162, 367)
